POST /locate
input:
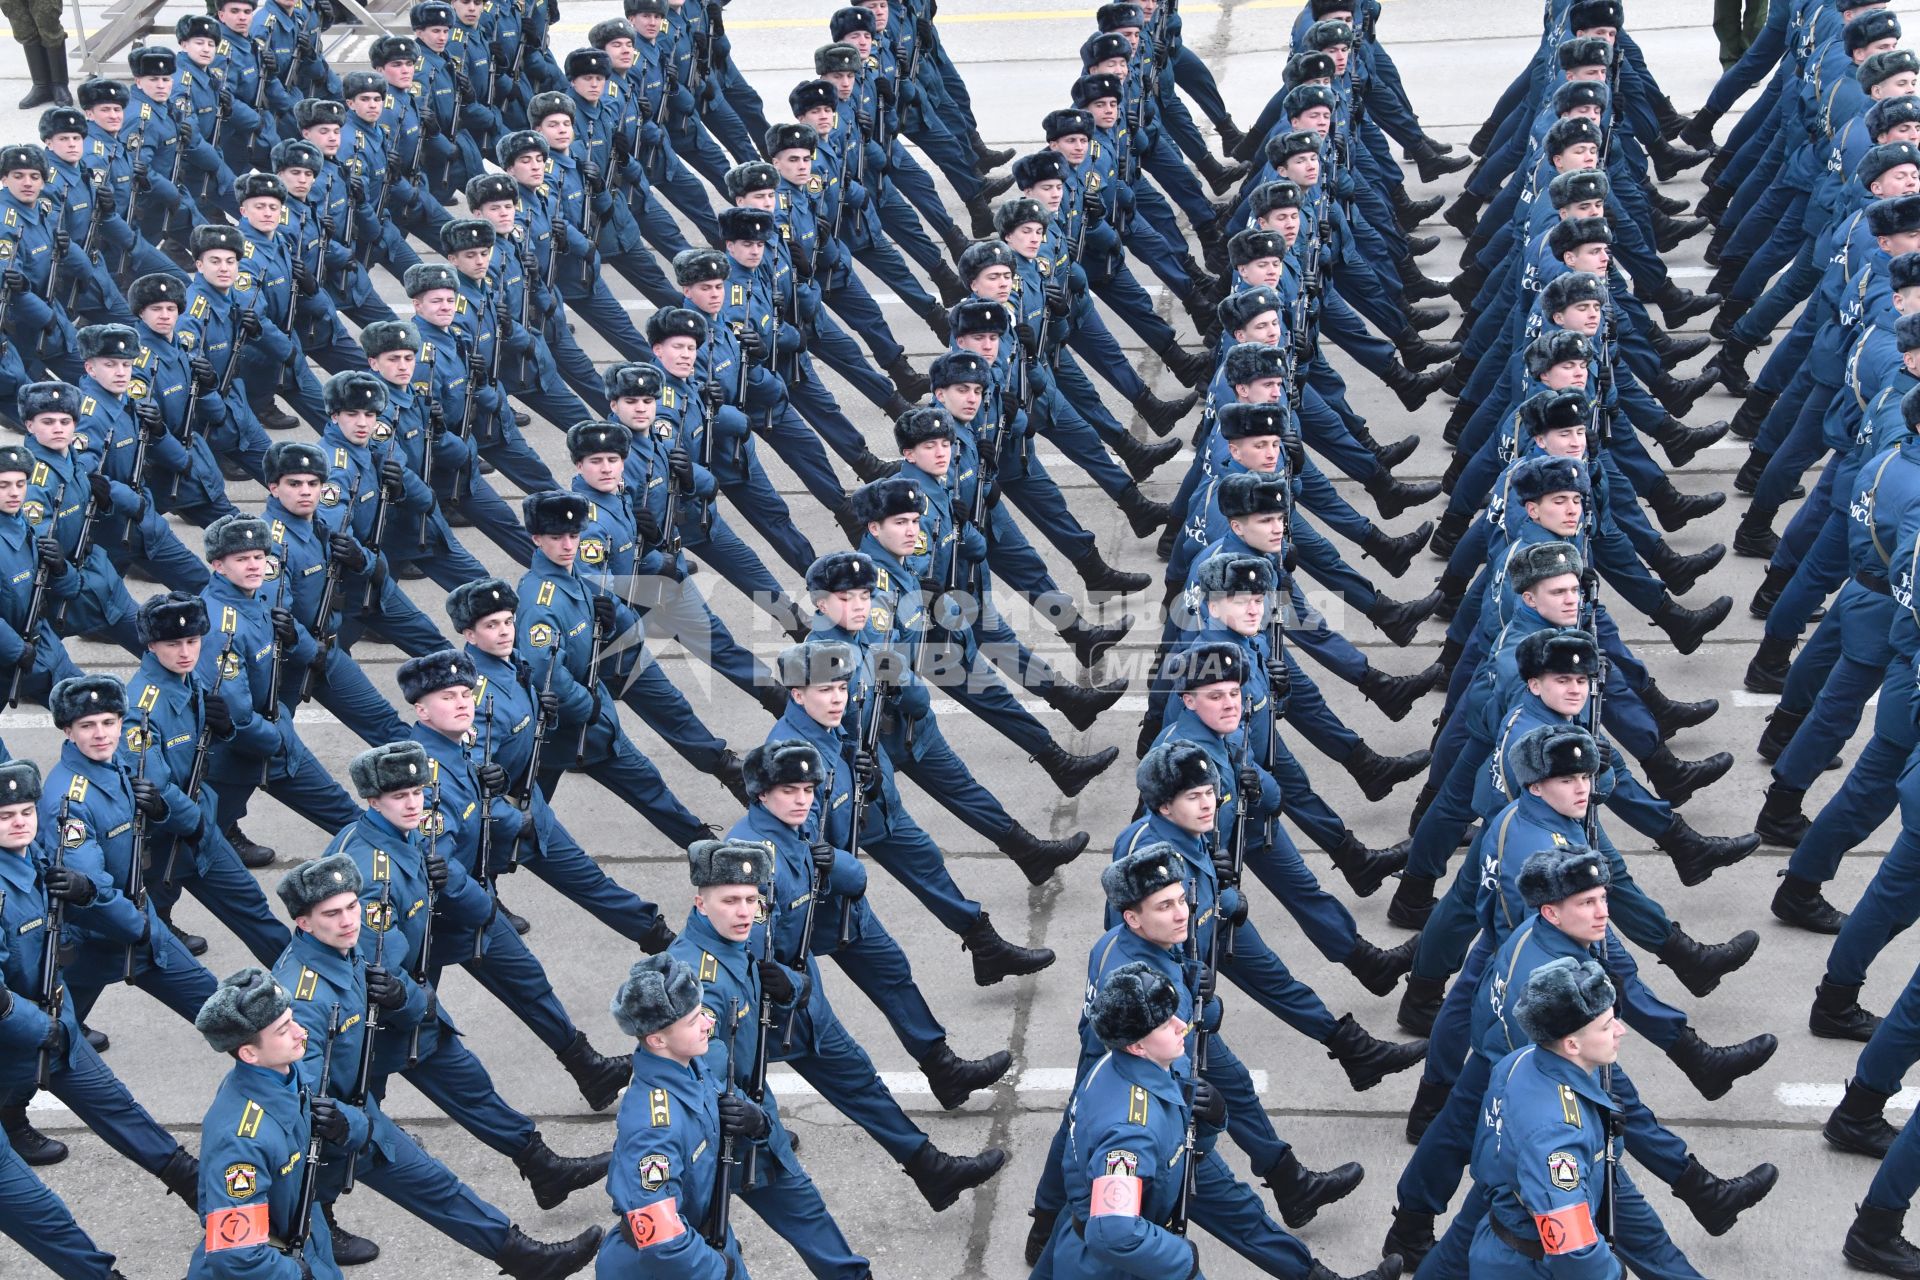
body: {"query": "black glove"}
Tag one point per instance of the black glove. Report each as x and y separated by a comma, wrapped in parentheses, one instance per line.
(141, 181)
(436, 421)
(493, 779)
(1209, 1107)
(204, 378)
(285, 633)
(1249, 780)
(647, 525)
(752, 346)
(1095, 210)
(328, 1121)
(605, 616)
(1223, 869)
(740, 1118)
(713, 395)
(68, 885)
(680, 467)
(224, 102)
(51, 555)
(462, 83)
(55, 1042)
(147, 414)
(866, 771)
(6, 1002)
(776, 981)
(14, 281)
(436, 871)
(62, 241)
(219, 716)
(923, 32)
(323, 9)
(147, 798)
(250, 324)
(553, 15)
(1605, 749)
(303, 282)
(356, 188)
(864, 119)
(393, 477)
(384, 989)
(104, 205)
(1237, 914)
(1058, 301)
(590, 175)
(550, 706)
(269, 61)
(822, 854)
(657, 937)
(884, 90)
(102, 490)
(477, 366)
(429, 124)
(1208, 984)
(344, 549)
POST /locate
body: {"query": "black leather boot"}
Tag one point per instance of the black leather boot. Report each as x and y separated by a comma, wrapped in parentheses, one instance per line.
(1701, 966)
(1801, 904)
(1682, 443)
(1752, 415)
(1191, 367)
(1768, 593)
(1781, 821)
(1678, 305)
(1419, 1006)
(1781, 726)
(1400, 620)
(1428, 1101)
(1677, 395)
(1394, 497)
(1410, 1237)
(42, 73)
(1070, 772)
(553, 1176)
(1144, 515)
(1730, 365)
(1368, 1061)
(1039, 1233)
(1395, 555)
(1712, 1069)
(1699, 131)
(1378, 775)
(1685, 627)
(350, 1249)
(1380, 970)
(1464, 214)
(1141, 459)
(955, 1079)
(525, 1258)
(599, 1079)
(1875, 1243)
(1162, 416)
(1448, 532)
(1683, 573)
(1755, 538)
(1670, 716)
(1300, 1193)
(1696, 856)
(1412, 388)
(1767, 670)
(1412, 902)
(31, 1145)
(1103, 580)
(1676, 780)
(1419, 355)
(995, 959)
(941, 1177)
(1038, 859)
(1080, 705)
(1395, 695)
(1837, 1013)
(1716, 1203)
(1859, 1123)
(1090, 643)
(253, 856)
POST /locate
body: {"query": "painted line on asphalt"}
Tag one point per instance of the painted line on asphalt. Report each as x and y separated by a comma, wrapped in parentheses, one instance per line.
(788, 1084)
(1827, 1096)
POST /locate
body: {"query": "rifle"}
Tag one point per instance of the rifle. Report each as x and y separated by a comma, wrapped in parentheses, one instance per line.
(36, 605)
(272, 711)
(869, 742)
(436, 420)
(201, 749)
(260, 75)
(56, 218)
(370, 1027)
(715, 1228)
(1237, 849)
(239, 340)
(485, 859)
(541, 728)
(1177, 1223)
(89, 247)
(757, 1082)
(381, 505)
(426, 948)
(82, 546)
(52, 994)
(594, 655)
(670, 526)
(309, 1177)
(137, 856)
(323, 632)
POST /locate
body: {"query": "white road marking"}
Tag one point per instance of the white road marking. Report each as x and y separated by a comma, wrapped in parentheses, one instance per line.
(1827, 1096)
(788, 1084)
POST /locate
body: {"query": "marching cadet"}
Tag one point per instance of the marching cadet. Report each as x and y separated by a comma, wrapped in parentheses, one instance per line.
(122, 425)
(460, 334)
(122, 177)
(730, 878)
(444, 690)
(890, 511)
(815, 675)
(179, 720)
(1547, 1140)
(249, 68)
(227, 324)
(30, 1213)
(411, 122)
(782, 779)
(418, 420)
(956, 555)
(256, 665)
(186, 388)
(664, 1179)
(331, 982)
(103, 806)
(86, 218)
(841, 586)
(319, 569)
(34, 248)
(218, 101)
(166, 128)
(620, 546)
(66, 497)
(28, 643)
(39, 884)
(289, 35)
(256, 1180)
(394, 846)
(561, 613)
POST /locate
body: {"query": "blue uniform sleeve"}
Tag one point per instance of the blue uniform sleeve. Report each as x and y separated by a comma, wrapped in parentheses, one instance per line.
(1121, 1239)
(237, 1177)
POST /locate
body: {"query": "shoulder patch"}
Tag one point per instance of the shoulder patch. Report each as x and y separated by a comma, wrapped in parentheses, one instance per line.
(77, 789)
(250, 1120)
(1563, 1170)
(540, 635)
(545, 595)
(1569, 1106)
(308, 984)
(657, 1110)
(709, 967)
(1124, 1163)
(241, 1180)
(1136, 1105)
(655, 1169)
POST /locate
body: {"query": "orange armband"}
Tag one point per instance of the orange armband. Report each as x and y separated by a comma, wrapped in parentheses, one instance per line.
(238, 1227)
(655, 1223)
(1115, 1194)
(1566, 1229)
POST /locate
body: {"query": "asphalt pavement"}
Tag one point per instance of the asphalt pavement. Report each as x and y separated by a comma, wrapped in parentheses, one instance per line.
(1455, 58)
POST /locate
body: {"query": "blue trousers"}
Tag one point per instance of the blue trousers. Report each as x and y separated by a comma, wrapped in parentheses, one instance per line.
(563, 864)
(39, 1222)
(910, 855)
(1257, 969)
(343, 689)
(1811, 668)
(1860, 619)
(834, 346)
(224, 886)
(1887, 1057)
(832, 1061)
(718, 545)
(790, 1203)
(941, 773)
(513, 975)
(1035, 493)
(183, 985)
(632, 777)
(679, 612)
(425, 1188)
(877, 965)
(852, 302)
(89, 1089)
(1867, 796)
(760, 502)
(457, 1082)
(309, 790)
(973, 684)
(1891, 902)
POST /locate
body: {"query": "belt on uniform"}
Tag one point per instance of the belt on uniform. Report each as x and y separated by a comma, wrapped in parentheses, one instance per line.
(1878, 586)
(1522, 1245)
